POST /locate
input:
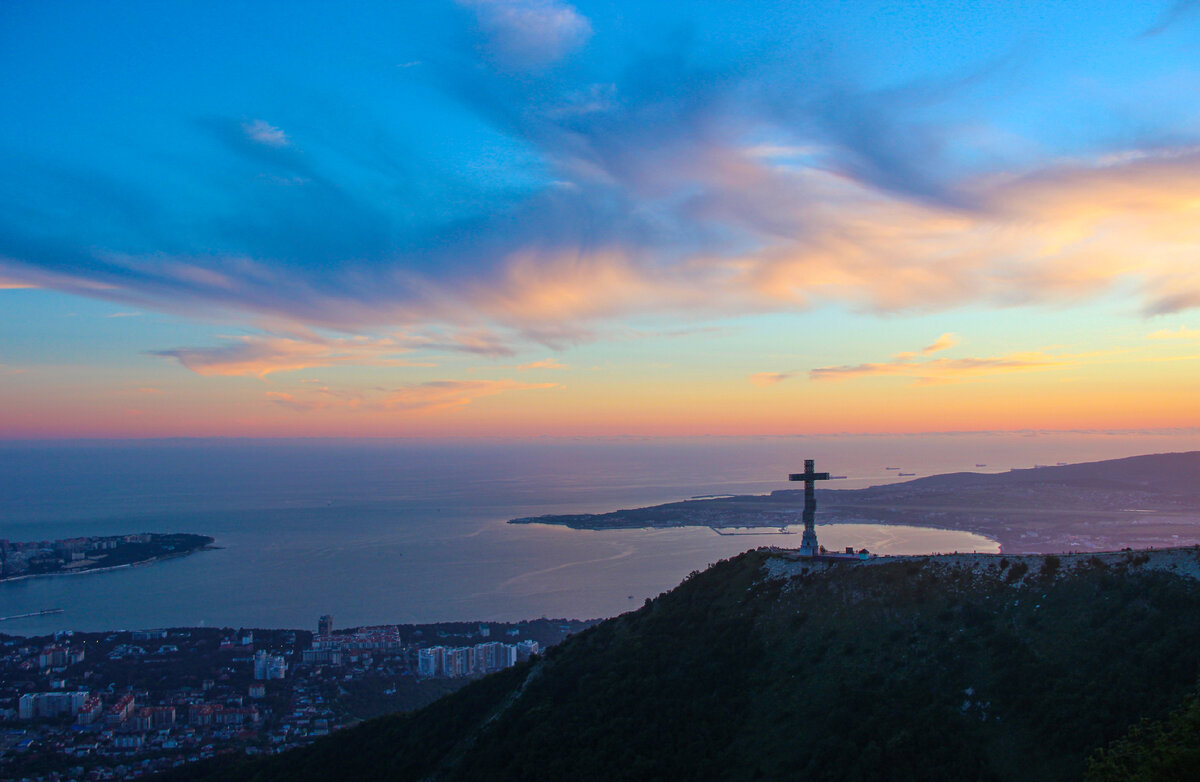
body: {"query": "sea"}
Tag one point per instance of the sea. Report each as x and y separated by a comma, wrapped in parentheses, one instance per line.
(376, 531)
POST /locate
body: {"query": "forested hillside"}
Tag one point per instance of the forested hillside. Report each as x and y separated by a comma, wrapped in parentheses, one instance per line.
(768, 667)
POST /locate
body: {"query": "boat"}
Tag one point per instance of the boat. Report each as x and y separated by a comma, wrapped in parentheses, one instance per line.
(906, 474)
(891, 468)
(981, 465)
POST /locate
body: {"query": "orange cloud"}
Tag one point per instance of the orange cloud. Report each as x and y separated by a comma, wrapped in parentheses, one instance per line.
(443, 394)
(1062, 233)
(546, 363)
(1183, 332)
(565, 288)
(415, 398)
(261, 355)
(764, 379)
(1065, 232)
(940, 370)
(941, 343)
(479, 341)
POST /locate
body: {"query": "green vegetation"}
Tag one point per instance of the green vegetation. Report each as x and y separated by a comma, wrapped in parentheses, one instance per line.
(1165, 751)
(904, 670)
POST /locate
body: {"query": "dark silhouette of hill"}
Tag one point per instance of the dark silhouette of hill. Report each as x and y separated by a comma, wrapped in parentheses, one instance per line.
(1165, 475)
(766, 666)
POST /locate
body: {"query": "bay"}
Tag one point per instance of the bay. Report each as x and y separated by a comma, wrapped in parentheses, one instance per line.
(378, 531)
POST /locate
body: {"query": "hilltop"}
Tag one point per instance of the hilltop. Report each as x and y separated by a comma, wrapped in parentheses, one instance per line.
(1139, 502)
(768, 666)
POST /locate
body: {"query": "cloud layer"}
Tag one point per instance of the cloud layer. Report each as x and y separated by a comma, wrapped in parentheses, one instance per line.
(929, 371)
(428, 397)
(664, 182)
(262, 355)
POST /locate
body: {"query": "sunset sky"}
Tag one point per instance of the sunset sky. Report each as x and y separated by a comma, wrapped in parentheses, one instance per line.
(477, 217)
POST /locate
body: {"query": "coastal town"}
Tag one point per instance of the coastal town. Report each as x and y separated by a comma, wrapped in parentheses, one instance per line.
(116, 705)
(79, 555)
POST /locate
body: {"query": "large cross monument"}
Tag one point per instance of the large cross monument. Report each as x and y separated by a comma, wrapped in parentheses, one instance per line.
(808, 544)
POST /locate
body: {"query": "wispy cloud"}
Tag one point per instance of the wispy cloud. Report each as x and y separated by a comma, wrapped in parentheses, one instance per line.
(942, 370)
(529, 33)
(289, 348)
(1177, 12)
(1183, 332)
(1035, 239)
(443, 394)
(662, 184)
(427, 397)
(764, 379)
(943, 342)
(124, 315)
(928, 371)
(481, 342)
(262, 355)
(546, 363)
(265, 133)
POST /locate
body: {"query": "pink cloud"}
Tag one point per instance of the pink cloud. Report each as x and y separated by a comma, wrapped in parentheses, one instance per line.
(427, 397)
(764, 379)
(546, 363)
(262, 355)
(942, 370)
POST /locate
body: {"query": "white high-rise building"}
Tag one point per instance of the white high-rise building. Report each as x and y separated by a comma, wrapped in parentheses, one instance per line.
(269, 666)
(431, 661)
(41, 705)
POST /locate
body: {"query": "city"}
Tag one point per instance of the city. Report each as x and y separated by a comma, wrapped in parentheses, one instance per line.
(121, 704)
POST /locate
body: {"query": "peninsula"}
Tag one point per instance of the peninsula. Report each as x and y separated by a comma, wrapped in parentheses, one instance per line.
(1139, 502)
(79, 555)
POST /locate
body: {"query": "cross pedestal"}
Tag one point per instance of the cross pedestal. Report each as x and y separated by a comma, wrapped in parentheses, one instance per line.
(808, 543)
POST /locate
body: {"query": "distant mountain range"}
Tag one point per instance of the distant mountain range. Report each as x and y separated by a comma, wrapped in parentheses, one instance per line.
(772, 667)
(1139, 502)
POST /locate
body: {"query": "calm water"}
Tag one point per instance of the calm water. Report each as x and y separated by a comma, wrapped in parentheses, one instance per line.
(412, 531)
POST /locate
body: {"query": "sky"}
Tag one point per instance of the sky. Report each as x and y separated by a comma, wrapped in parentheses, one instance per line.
(486, 218)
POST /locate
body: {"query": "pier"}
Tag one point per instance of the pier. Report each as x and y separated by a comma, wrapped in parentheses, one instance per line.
(43, 612)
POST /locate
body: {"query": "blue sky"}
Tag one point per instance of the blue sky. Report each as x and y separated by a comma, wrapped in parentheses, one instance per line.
(435, 191)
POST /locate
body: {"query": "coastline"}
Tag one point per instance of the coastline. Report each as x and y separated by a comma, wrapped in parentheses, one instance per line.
(1139, 502)
(106, 568)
